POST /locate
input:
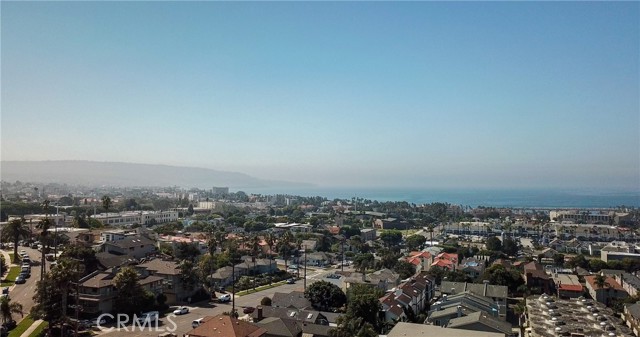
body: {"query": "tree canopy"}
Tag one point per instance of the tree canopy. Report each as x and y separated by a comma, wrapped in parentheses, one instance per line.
(325, 295)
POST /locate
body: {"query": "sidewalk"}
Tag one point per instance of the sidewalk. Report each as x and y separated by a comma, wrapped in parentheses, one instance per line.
(7, 258)
(32, 328)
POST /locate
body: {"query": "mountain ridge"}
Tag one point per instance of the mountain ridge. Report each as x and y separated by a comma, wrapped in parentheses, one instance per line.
(86, 172)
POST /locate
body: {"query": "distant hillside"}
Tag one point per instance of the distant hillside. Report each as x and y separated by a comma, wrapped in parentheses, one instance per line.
(93, 173)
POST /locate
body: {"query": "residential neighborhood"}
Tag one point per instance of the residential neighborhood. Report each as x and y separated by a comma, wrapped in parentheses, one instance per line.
(250, 265)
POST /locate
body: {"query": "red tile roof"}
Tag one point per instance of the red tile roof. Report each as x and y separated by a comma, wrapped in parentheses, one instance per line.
(591, 279)
(571, 287)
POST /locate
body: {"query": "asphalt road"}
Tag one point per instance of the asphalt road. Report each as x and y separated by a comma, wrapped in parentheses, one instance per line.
(23, 293)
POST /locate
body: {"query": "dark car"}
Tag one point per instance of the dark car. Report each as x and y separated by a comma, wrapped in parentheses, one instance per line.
(248, 310)
(10, 325)
(291, 281)
(20, 280)
(24, 275)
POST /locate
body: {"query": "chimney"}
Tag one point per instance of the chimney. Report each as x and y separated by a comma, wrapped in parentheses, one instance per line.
(398, 292)
(486, 284)
(259, 309)
(459, 311)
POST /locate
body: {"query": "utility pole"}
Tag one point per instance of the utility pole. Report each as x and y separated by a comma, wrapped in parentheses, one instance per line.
(342, 262)
(305, 268)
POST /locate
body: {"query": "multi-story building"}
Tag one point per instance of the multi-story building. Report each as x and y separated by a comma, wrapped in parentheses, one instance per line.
(97, 290)
(414, 294)
(606, 293)
(632, 317)
(141, 218)
(135, 247)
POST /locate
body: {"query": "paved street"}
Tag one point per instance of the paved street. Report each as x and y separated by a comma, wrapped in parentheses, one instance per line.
(23, 293)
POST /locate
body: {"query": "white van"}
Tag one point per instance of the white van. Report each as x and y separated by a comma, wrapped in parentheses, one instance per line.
(196, 322)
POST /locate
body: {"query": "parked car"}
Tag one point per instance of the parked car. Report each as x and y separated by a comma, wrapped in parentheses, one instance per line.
(150, 316)
(20, 280)
(100, 320)
(9, 325)
(196, 322)
(291, 281)
(24, 275)
(248, 310)
(224, 298)
(181, 311)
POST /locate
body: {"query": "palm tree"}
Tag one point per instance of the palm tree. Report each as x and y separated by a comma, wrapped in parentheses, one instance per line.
(63, 275)
(8, 308)
(255, 250)
(44, 226)
(13, 231)
(284, 247)
(270, 242)
(601, 282)
(106, 203)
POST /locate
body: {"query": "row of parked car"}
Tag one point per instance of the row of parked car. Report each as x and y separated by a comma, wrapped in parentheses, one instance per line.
(25, 268)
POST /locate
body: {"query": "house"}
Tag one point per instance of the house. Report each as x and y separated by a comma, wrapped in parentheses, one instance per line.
(280, 327)
(481, 321)
(446, 261)
(96, 291)
(304, 316)
(170, 272)
(403, 329)
(463, 304)
(176, 241)
(384, 279)
(472, 267)
(285, 327)
(368, 234)
(536, 279)
(568, 286)
(629, 282)
(497, 294)
(319, 259)
(390, 223)
(294, 299)
(223, 276)
(422, 260)
(414, 294)
(227, 326)
(607, 293)
(135, 247)
(632, 317)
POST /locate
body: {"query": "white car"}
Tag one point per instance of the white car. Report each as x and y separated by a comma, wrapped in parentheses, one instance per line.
(224, 298)
(181, 311)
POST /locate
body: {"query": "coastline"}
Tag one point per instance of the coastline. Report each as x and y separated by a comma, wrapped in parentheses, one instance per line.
(512, 198)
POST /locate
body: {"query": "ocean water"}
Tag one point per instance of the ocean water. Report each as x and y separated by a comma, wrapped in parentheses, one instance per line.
(518, 198)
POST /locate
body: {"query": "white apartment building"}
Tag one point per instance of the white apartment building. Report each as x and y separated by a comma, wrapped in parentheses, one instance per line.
(143, 218)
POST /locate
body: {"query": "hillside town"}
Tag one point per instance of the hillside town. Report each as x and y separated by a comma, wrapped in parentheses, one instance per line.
(193, 262)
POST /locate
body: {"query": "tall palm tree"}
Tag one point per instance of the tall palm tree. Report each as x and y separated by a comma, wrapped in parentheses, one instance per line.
(44, 226)
(106, 204)
(255, 250)
(13, 231)
(63, 275)
(270, 239)
(8, 308)
(601, 282)
(284, 247)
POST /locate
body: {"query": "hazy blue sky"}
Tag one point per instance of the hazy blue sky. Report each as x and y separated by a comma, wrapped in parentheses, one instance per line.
(450, 94)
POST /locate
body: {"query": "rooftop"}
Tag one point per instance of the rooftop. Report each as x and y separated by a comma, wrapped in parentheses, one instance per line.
(402, 329)
(550, 317)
